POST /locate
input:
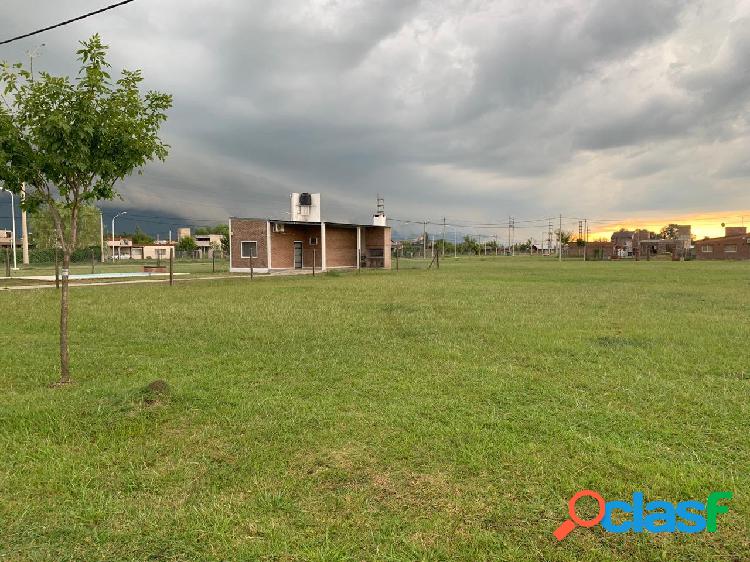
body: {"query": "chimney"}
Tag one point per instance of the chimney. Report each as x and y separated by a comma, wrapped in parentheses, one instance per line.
(735, 231)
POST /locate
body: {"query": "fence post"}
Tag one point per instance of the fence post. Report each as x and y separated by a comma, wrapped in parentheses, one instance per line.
(396, 259)
(57, 270)
(251, 268)
(213, 261)
(7, 263)
(92, 260)
(171, 266)
(313, 262)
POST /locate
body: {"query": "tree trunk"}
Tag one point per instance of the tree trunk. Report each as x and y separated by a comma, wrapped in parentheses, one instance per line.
(64, 355)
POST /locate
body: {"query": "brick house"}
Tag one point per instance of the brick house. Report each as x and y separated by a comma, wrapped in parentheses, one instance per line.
(303, 240)
(626, 243)
(734, 245)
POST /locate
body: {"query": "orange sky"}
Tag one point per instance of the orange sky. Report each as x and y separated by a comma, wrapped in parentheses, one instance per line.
(703, 224)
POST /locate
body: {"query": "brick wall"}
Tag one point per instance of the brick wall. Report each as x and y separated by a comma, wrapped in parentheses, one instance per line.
(248, 230)
(282, 245)
(378, 238)
(718, 246)
(341, 247)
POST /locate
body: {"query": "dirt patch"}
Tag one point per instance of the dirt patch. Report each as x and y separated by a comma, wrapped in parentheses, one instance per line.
(155, 393)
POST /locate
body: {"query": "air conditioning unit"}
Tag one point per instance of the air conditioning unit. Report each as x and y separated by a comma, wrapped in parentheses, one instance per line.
(314, 241)
(278, 227)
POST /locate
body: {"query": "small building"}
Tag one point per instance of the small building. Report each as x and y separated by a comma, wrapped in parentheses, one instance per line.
(207, 244)
(305, 241)
(626, 243)
(124, 249)
(6, 239)
(734, 245)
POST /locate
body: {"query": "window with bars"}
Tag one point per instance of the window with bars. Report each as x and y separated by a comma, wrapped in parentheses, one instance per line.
(249, 249)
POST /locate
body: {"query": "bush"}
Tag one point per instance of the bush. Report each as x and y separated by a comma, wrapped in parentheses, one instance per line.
(82, 255)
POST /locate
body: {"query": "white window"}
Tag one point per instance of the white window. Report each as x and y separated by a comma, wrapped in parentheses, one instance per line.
(707, 248)
(313, 241)
(249, 249)
(730, 249)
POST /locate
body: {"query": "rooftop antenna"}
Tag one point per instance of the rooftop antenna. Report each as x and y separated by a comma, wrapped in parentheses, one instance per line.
(32, 54)
(378, 219)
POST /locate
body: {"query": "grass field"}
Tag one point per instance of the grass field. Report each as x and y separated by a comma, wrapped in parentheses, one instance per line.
(393, 416)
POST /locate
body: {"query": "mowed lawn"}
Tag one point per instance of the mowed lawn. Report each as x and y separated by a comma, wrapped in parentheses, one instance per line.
(407, 415)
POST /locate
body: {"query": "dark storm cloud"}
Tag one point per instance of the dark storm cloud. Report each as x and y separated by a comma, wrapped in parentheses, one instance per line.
(474, 109)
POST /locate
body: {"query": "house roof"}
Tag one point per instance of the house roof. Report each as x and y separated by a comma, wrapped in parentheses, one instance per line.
(305, 223)
(735, 238)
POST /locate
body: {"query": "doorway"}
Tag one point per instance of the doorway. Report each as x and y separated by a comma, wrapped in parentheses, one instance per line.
(298, 255)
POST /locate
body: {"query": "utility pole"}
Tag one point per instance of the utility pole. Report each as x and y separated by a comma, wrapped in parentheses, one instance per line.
(549, 237)
(443, 237)
(24, 228)
(586, 239)
(560, 241)
(509, 223)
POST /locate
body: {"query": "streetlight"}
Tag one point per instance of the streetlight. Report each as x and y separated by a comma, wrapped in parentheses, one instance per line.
(13, 218)
(113, 233)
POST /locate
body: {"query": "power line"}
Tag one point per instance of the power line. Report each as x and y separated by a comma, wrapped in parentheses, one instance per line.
(66, 22)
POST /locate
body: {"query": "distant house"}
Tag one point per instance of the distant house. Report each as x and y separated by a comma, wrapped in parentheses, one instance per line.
(124, 249)
(207, 243)
(644, 243)
(545, 247)
(734, 245)
(627, 243)
(6, 239)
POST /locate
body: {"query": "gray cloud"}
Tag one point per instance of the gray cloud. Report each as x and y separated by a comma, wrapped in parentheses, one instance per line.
(471, 109)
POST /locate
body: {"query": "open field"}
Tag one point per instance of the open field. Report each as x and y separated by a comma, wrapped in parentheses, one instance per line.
(414, 415)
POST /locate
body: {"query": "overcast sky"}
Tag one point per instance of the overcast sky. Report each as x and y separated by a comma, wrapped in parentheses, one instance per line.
(473, 110)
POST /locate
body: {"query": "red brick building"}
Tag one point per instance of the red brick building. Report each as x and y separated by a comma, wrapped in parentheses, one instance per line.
(734, 245)
(270, 244)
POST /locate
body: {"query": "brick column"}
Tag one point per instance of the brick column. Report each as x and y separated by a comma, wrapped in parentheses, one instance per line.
(268, 244)
(359, 246)
(322, 246)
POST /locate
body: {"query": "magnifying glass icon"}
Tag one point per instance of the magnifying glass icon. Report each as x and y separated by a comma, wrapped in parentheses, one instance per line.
(569, 524)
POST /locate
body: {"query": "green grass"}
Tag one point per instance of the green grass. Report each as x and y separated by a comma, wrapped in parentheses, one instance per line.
(393, 416)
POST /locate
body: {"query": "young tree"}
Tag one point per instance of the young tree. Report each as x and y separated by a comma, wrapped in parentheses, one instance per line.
(44, 234)
(565, 237)
(70, 142)
(140, 237)
(669, 232)
(187, 244)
